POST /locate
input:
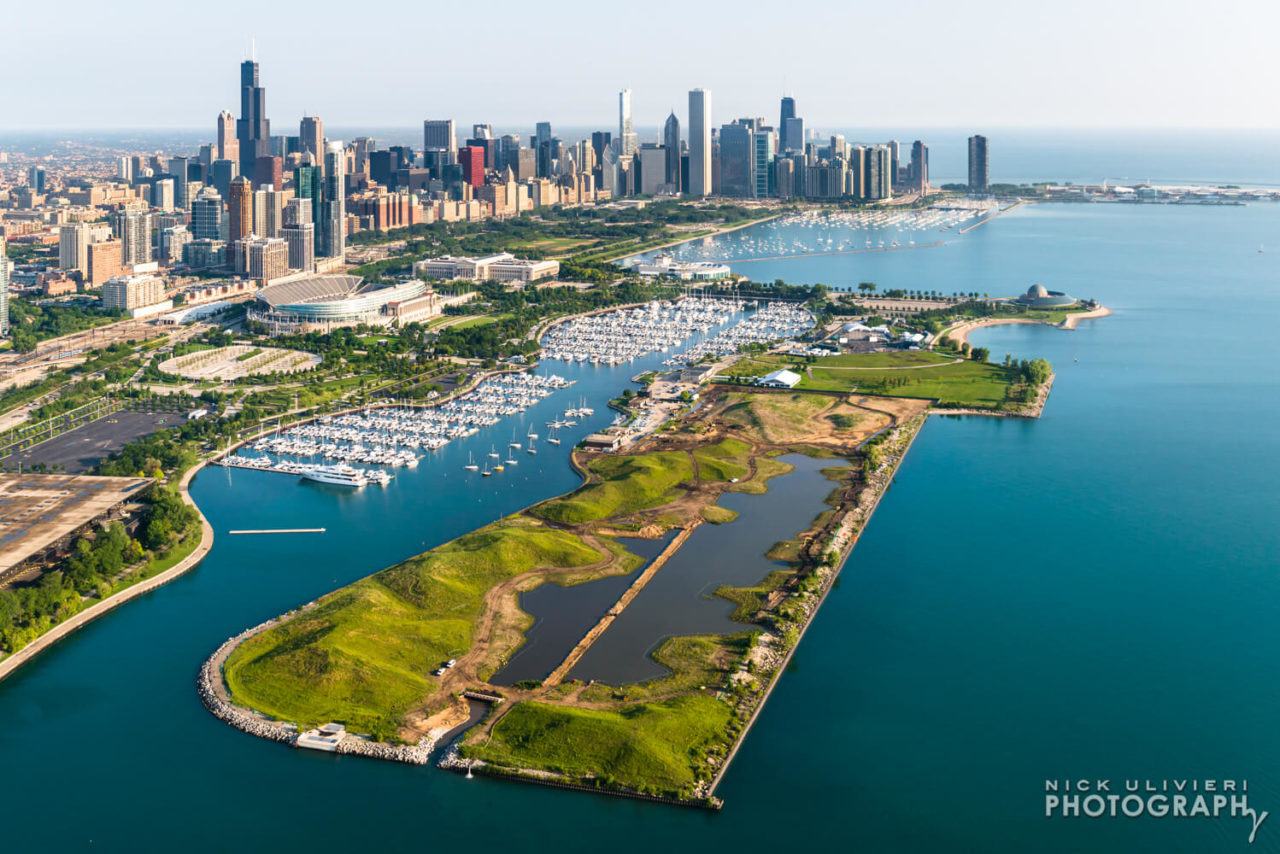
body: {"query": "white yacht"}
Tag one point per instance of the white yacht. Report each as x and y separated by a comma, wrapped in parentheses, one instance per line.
(339, 475)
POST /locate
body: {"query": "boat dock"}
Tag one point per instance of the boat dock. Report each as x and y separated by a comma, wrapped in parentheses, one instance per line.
(280, 531)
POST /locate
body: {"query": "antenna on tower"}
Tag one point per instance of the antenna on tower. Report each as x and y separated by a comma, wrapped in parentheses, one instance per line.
(253, 48)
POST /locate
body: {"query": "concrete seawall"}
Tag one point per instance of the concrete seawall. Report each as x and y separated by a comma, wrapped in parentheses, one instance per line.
(93, 612)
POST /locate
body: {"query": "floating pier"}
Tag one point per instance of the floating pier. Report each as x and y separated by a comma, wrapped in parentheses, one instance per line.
(280, 531)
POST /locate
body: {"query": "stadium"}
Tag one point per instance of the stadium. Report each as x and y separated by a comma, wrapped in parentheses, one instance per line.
(325, 302)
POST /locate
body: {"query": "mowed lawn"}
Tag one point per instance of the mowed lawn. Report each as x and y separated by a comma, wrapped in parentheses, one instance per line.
(649, 747)
(897, 373)
(364, 655)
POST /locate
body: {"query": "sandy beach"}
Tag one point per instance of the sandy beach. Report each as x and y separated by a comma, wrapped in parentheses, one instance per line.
(960, 332)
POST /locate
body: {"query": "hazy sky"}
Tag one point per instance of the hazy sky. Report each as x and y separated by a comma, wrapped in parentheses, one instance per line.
(910, 63)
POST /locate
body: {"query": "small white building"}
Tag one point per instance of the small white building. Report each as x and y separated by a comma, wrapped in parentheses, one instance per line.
(780, 379)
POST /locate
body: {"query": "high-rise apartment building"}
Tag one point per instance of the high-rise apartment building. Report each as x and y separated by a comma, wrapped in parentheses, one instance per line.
(268, 212)
(105, 262)
(206, 215)
(979, 165)
(239, 210)
(4, 288)
(301, 238)
(699, 143)
(766, 144)
(918, 169)
(133, 227)
(253, 129)
(125, 293)
(179, 168)
(264, 258)
(73, 247)
(162, 194)
(333, 220)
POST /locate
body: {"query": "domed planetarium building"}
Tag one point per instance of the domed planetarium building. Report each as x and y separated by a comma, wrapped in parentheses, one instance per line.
(1038, 296)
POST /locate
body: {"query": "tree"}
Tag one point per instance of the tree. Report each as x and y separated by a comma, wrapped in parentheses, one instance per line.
(980, 354)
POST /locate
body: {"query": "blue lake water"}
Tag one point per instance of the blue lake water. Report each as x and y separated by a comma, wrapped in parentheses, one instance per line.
(1094, 594)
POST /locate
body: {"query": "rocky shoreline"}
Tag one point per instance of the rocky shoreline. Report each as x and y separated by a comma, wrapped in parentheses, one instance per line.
(213, 693)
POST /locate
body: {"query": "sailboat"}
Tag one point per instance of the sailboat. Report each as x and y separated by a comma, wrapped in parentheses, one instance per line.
(493, 453)
(471, 463)
(514, 443)
(532, 435)
(531, 449)
(553, 438)
(486, 471)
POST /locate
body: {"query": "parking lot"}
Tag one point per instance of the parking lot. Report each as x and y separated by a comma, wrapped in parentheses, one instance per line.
(78, 451)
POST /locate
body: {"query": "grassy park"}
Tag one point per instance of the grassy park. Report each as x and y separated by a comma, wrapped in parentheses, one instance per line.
(948, 379)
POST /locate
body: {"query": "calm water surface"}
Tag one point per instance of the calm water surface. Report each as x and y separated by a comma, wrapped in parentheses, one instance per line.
(1093, 594)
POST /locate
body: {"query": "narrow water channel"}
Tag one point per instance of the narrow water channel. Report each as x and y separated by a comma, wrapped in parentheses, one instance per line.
(563, 615)
(681, 600)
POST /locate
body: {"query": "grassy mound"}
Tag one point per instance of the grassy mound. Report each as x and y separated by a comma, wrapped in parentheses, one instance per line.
(649, 747)
(725, 460)
(364, 655)
(628, 483)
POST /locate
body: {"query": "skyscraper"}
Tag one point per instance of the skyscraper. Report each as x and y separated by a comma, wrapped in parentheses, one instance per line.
(626, 131)
(253, 130)
(787, 111)
(73, 246)
(472, 160)
(35, 178)
(979, 164)
(699, 143)
(226, 147)
(765, 143)
(311, 139)
(206, 215)
(181, 180)
(333, 221)
(439, 135)
(737, 160)
(134, 230)
(671, 142)
(4, 289)
(240, 210)
(793, 135)
(918, 170)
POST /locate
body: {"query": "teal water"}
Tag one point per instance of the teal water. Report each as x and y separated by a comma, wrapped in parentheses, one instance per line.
(1092, 594)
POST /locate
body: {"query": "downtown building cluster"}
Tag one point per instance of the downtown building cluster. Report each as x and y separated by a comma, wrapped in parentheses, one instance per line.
(265, 207)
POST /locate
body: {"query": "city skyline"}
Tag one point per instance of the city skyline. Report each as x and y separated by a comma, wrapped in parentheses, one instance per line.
(1053, 85)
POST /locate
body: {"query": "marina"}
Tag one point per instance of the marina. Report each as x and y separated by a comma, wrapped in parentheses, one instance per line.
(395, 436)
(618, 337)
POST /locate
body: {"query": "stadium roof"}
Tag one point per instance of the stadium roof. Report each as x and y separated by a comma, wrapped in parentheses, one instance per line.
(310, 289)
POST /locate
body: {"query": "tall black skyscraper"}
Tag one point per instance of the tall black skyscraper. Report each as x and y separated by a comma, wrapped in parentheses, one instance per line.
(253, 130)
(979, 165)
(788, 112)
(671, 141)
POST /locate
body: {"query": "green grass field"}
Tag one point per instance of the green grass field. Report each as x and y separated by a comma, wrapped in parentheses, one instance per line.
(649, 747)
(725, 460)
(364, 655)
(628, 483)
(903, 373)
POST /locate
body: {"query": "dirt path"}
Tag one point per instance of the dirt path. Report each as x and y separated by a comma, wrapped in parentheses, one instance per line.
(557, 676)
